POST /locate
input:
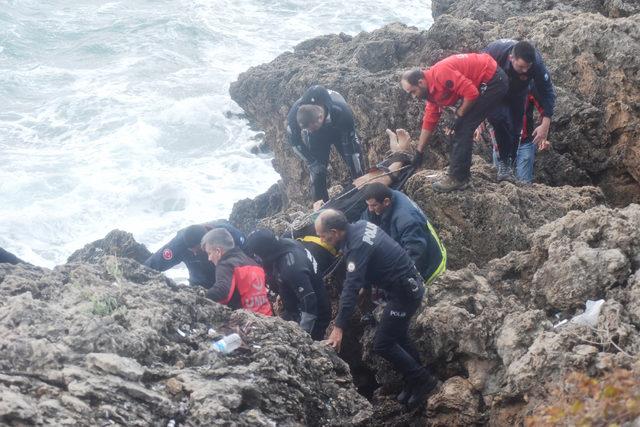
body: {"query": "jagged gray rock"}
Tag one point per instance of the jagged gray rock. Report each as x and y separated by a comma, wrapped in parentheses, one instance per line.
(114, 342)
(495, 325)
(490, 220)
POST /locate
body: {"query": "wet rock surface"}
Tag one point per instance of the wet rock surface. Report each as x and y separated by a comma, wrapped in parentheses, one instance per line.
(112, 342)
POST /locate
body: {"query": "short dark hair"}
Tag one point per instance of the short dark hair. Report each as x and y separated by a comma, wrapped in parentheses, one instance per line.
(413, 76)
(307, 114)
(331, 219)
(525, 51)
(377, 191)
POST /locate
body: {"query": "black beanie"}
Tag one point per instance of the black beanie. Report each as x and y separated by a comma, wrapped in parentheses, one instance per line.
(262, 243)
(193, 234)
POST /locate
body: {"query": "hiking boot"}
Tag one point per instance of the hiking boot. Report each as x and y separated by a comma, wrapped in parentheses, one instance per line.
(506, 171)
(503, 170)
(449, 184)
(426, 384)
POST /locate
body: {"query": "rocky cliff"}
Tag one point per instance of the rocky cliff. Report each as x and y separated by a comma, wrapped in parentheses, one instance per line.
(522, 259)
(592, 59)
(102, 340)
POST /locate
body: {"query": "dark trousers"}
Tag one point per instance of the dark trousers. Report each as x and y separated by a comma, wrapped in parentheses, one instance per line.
(462, 145)
(506, 120)
(320, 143)
(324, 313)
(392, 340)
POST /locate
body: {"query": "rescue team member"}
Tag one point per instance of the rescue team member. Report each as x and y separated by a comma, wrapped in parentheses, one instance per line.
(185, 247)
(292, 273)
(404, 222)
(479, 82)
(324, 254)
(374, 257)
(316, 121)
(240, 281)
(522, 64)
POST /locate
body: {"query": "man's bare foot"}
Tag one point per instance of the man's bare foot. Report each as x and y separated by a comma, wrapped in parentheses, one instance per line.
(317, 205)
(393, 140)
(404, 140)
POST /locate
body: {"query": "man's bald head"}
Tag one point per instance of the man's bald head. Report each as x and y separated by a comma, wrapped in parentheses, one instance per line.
(331, 226)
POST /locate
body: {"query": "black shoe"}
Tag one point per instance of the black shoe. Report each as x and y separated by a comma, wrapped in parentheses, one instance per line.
(421, 391)
(405, 394)
(449, 184)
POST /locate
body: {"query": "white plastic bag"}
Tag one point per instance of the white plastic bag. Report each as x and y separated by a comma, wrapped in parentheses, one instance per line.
(590, 315)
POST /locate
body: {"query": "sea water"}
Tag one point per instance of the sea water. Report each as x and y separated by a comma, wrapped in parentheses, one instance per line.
(117, 114)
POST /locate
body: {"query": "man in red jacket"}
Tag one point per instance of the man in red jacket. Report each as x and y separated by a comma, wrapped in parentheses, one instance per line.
(474, 78)
(240, 281)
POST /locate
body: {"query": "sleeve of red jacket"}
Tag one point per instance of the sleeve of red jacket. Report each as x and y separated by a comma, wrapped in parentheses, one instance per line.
(221, 290)
(432, 114)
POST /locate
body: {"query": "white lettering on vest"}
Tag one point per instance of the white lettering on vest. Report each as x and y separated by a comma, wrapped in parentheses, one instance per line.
(370, 233)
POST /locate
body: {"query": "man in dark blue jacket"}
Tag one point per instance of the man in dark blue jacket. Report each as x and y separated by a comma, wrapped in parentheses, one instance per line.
(316, 121)
(372, 257)
(185, 247)
(405, 223)
(293, 273)
(522, 63)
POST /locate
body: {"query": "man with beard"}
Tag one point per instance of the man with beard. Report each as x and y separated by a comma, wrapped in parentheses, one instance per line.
(522, 64)
(473, 78)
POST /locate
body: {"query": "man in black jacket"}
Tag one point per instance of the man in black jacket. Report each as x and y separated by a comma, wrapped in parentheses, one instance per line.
(316, 121)
(292, 273)
(522, 63)
(185, 247)
(374, 257)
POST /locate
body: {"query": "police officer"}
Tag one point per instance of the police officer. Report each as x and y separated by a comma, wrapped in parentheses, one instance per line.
(373, 257)
(185, 247)
(405, 223)
(293, 274)
(522, 64)
(316, 121)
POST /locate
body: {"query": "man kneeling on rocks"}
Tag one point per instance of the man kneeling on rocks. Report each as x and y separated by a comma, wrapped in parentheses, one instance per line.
(374, 257)
(240, 281)
(480, 83)
(293, 274)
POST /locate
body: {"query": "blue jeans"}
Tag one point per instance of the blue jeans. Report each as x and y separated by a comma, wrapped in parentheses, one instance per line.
(524, 161)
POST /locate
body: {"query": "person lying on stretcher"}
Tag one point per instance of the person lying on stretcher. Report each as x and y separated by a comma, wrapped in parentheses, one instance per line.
(391, 169)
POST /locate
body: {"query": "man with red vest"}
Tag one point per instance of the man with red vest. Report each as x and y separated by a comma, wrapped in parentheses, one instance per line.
(240, 281)
(473, 78)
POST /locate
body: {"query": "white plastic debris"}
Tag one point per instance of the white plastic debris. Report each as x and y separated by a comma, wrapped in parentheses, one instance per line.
(212, 333)
(590, 315)
(182, 334)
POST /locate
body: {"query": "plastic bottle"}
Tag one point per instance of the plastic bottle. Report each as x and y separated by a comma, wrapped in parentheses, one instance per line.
(227, 344)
